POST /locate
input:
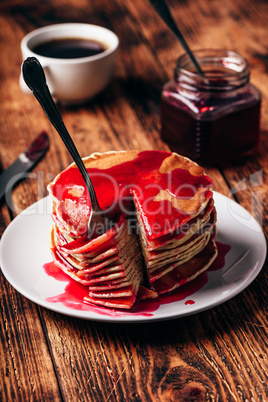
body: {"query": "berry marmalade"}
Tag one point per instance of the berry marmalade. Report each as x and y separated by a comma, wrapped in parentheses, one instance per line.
(212, 117)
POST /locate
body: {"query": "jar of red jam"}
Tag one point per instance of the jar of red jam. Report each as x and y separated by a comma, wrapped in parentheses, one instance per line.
(215, 116)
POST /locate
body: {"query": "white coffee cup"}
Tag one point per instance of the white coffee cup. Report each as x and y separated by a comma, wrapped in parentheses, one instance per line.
(79, 79)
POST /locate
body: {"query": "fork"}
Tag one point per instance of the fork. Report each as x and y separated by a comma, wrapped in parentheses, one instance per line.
(34, 77)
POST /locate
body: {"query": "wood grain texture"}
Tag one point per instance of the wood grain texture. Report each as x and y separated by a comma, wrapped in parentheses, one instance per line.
(22, 338)
(218, 355)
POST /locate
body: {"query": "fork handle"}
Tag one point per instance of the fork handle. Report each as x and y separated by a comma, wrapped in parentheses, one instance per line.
(34, 77)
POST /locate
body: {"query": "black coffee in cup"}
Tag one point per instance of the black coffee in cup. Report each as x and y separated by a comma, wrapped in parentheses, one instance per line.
(69, 48)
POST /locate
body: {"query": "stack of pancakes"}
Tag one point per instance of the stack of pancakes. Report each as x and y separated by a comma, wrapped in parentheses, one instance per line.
(172, 261)
(110, 265)
(162, 225)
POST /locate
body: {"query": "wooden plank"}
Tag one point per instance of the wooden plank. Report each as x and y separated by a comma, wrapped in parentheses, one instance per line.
(201, 354)
(216, 355)
(159, 362)
(4, 217)
(27, 371)
(26, 367)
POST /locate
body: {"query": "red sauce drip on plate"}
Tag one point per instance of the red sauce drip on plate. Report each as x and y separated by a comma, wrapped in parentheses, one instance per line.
(74, 292)
(189, 302)
(219, 262)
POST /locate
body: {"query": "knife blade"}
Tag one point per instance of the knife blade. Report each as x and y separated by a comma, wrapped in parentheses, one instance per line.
(25, 162)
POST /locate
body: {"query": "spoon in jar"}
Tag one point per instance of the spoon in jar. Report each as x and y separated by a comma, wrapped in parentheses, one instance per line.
(163, 11)
(34, 77)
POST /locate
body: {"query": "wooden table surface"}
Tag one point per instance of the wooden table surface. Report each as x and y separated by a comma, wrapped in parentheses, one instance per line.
(217, 355)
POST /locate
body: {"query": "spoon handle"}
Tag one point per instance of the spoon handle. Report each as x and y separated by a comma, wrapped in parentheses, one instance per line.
(163, 11)
(34, 77)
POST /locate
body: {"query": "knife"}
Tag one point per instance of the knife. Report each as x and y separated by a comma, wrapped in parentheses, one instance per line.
(25, 162)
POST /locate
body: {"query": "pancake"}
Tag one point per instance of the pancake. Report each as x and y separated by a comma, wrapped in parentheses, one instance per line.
(124, 269)
(161, 231)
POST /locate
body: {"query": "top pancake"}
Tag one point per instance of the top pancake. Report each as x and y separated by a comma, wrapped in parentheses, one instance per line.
(165, 189)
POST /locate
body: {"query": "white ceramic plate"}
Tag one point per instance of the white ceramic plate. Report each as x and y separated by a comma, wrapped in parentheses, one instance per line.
(24, 252)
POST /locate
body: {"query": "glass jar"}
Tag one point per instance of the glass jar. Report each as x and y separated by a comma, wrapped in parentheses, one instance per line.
(212, 117)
